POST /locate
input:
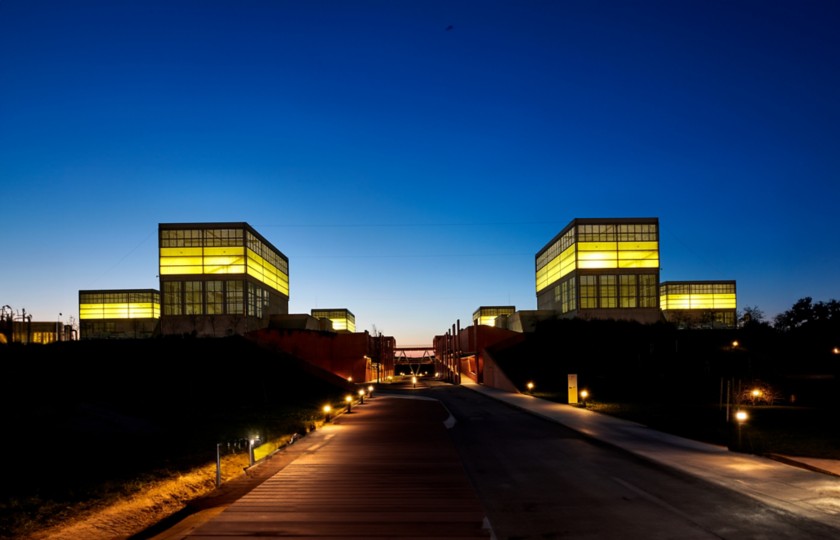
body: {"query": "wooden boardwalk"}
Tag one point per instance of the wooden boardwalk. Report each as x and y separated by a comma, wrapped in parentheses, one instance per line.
(388, 469)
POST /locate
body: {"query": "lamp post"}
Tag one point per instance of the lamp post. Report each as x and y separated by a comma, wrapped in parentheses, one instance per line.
(349, 399)
(370, 391)
(327, 411)
(361, 396)
(583, 395)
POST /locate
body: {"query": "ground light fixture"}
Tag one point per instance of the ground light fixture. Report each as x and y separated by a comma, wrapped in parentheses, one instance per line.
(327, 411)
(530, 386)
(583, 395)
(349, 399)
(370, 391)
(361, 396)
(251, 442)
(414, 382)
(741, 417)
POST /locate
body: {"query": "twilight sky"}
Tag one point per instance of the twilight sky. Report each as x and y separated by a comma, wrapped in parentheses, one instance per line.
(411, 157)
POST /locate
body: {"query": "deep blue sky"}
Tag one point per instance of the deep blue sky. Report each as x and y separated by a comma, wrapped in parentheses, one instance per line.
(410, 172)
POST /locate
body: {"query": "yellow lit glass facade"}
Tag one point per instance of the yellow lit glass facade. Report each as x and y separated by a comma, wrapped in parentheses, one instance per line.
(699, 303)
(342, 320)
(118, 313)
(119, 305)
(486, 315)
(219, 269)
(601, 264)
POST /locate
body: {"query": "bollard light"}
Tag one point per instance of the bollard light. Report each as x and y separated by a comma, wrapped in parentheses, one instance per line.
(414, 382)
(583, 395)
(361, 396)
(741, 417)
(530, 386)
(327, 411)
(349, 400)
(370, 391)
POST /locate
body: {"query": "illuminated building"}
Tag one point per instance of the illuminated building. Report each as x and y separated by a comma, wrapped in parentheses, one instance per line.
(699, 303)
(487, 315)
(601, 269)
(122, 313)
(342, 320)
(219, 279)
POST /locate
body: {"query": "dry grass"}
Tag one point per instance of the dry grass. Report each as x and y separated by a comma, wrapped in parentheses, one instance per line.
(130, 514)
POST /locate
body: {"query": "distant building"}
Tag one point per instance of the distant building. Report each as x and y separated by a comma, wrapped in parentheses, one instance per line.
(692, 304)
(120, 313)
(342, 319)
(487, 315)
(219, 279)
(601, 268)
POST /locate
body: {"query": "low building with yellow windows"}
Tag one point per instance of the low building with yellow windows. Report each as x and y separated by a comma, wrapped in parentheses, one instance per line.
(601, 268)
(342, 320)
(219, 279)
(699, 304)
(488, 315)
(118, 313)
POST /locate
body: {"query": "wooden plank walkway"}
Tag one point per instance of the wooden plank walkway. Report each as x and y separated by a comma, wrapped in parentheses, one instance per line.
(388, 469)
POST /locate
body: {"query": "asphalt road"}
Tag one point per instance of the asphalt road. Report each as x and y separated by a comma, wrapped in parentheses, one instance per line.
(538, 479)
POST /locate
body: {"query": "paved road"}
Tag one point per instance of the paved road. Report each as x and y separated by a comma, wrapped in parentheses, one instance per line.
(505, 466)
(539, 479)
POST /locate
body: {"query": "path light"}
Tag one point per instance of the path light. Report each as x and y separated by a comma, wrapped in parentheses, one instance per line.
(530, 386)
(741, 417)
(583, 395)
(349, 400)
(414, 381)
(361, 396)
(327, 411)
(370, 391)
(251, 451)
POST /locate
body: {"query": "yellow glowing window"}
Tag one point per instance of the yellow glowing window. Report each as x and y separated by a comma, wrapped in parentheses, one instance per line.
(670, 301)
(556, 268)
(342, 324)
(211, 260)
(488, 320)
(267, 273)
(124, 310)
